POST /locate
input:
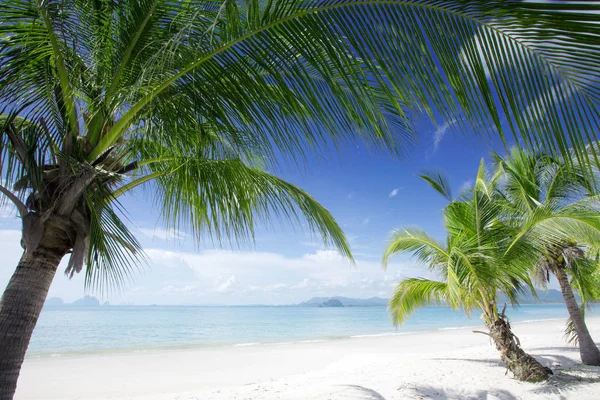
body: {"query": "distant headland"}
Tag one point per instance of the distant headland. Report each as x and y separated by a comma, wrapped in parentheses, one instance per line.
(550, 296)
(86, 301)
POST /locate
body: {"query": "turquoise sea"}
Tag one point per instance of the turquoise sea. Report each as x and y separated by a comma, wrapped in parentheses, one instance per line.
(64, 330)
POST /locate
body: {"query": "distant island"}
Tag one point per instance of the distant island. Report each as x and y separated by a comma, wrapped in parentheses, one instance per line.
(331, 303)
(54, 301)
(339, 301)
(86, 301)
(550, 296)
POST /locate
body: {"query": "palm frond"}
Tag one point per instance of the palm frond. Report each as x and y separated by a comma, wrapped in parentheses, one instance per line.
(570, 335)
(424, 248)
(414, 293)
(439, 182)
(204, 187)
(114, 253)
(585, 278)
(160, 50)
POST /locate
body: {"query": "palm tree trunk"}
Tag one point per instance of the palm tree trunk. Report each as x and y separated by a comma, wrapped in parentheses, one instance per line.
(522, 365)
(20, 307)
(587, 348)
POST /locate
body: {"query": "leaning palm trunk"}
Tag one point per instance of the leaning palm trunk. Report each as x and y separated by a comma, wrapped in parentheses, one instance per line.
(524, 366)
(587, 348)
(20, 307)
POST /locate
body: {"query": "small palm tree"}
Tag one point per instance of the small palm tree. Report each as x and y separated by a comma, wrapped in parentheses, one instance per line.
(557, 205)
(474, 266)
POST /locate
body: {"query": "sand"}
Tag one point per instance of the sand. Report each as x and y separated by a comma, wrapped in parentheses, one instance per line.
(443, 364)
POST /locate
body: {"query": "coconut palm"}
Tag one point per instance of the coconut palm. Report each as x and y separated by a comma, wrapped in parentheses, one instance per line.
(100, 97)
(473, 266)
(558, 206)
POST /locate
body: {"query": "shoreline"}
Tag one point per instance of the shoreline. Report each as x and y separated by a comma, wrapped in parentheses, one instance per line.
(444, 364)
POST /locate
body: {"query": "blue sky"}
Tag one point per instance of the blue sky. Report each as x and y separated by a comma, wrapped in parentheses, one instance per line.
(368, 194)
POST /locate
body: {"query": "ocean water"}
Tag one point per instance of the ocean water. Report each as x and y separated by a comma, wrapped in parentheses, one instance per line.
(79, 330)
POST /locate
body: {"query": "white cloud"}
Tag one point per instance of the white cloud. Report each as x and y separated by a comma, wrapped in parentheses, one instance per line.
(394, 192)
(324, 256)
(181, 289)
(163, 234)
(312, 244)
(363, 255)
(440, 132)
(243, 277)
(232, 277)
(301, 285)
(366, 221)
(226, 286)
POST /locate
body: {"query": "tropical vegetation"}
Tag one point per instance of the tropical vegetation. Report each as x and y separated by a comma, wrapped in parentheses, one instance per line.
(559, 208)
(201, 98)
(536, 216)
(477, 261)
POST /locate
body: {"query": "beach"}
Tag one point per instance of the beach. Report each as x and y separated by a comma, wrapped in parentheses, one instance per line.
(434, 364)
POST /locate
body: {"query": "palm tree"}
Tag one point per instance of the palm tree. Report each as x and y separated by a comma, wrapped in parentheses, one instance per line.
(99, 97)
(473, 265)
(558, 206)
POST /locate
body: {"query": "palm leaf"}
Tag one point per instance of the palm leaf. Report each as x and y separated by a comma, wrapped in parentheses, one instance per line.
(494, 48)
(439, 182)
(426, 249)
(413, 293)
(114, 253)
(203, 187)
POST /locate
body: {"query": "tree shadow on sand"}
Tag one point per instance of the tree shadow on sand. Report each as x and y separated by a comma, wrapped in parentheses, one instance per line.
(358, 392)
(434, 393)
(487, 361)
(570, 349)
(568, 376)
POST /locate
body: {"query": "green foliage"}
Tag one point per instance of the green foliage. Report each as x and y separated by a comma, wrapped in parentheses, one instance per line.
(556, 208)
(532, 214)
(473, 265)
(168, 93)
(413, 293)
(585, 279)
(439, 183)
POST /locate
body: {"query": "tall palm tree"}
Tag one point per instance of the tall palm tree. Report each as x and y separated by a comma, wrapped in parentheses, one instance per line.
(559, 207)
(98, 97)
(473, 265)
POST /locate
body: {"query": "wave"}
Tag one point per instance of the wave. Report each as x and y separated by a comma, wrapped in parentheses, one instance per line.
(456, 328)
(384, 334)
(539, 320)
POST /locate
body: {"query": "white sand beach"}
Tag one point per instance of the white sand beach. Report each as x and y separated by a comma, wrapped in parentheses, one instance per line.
(444, 364)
